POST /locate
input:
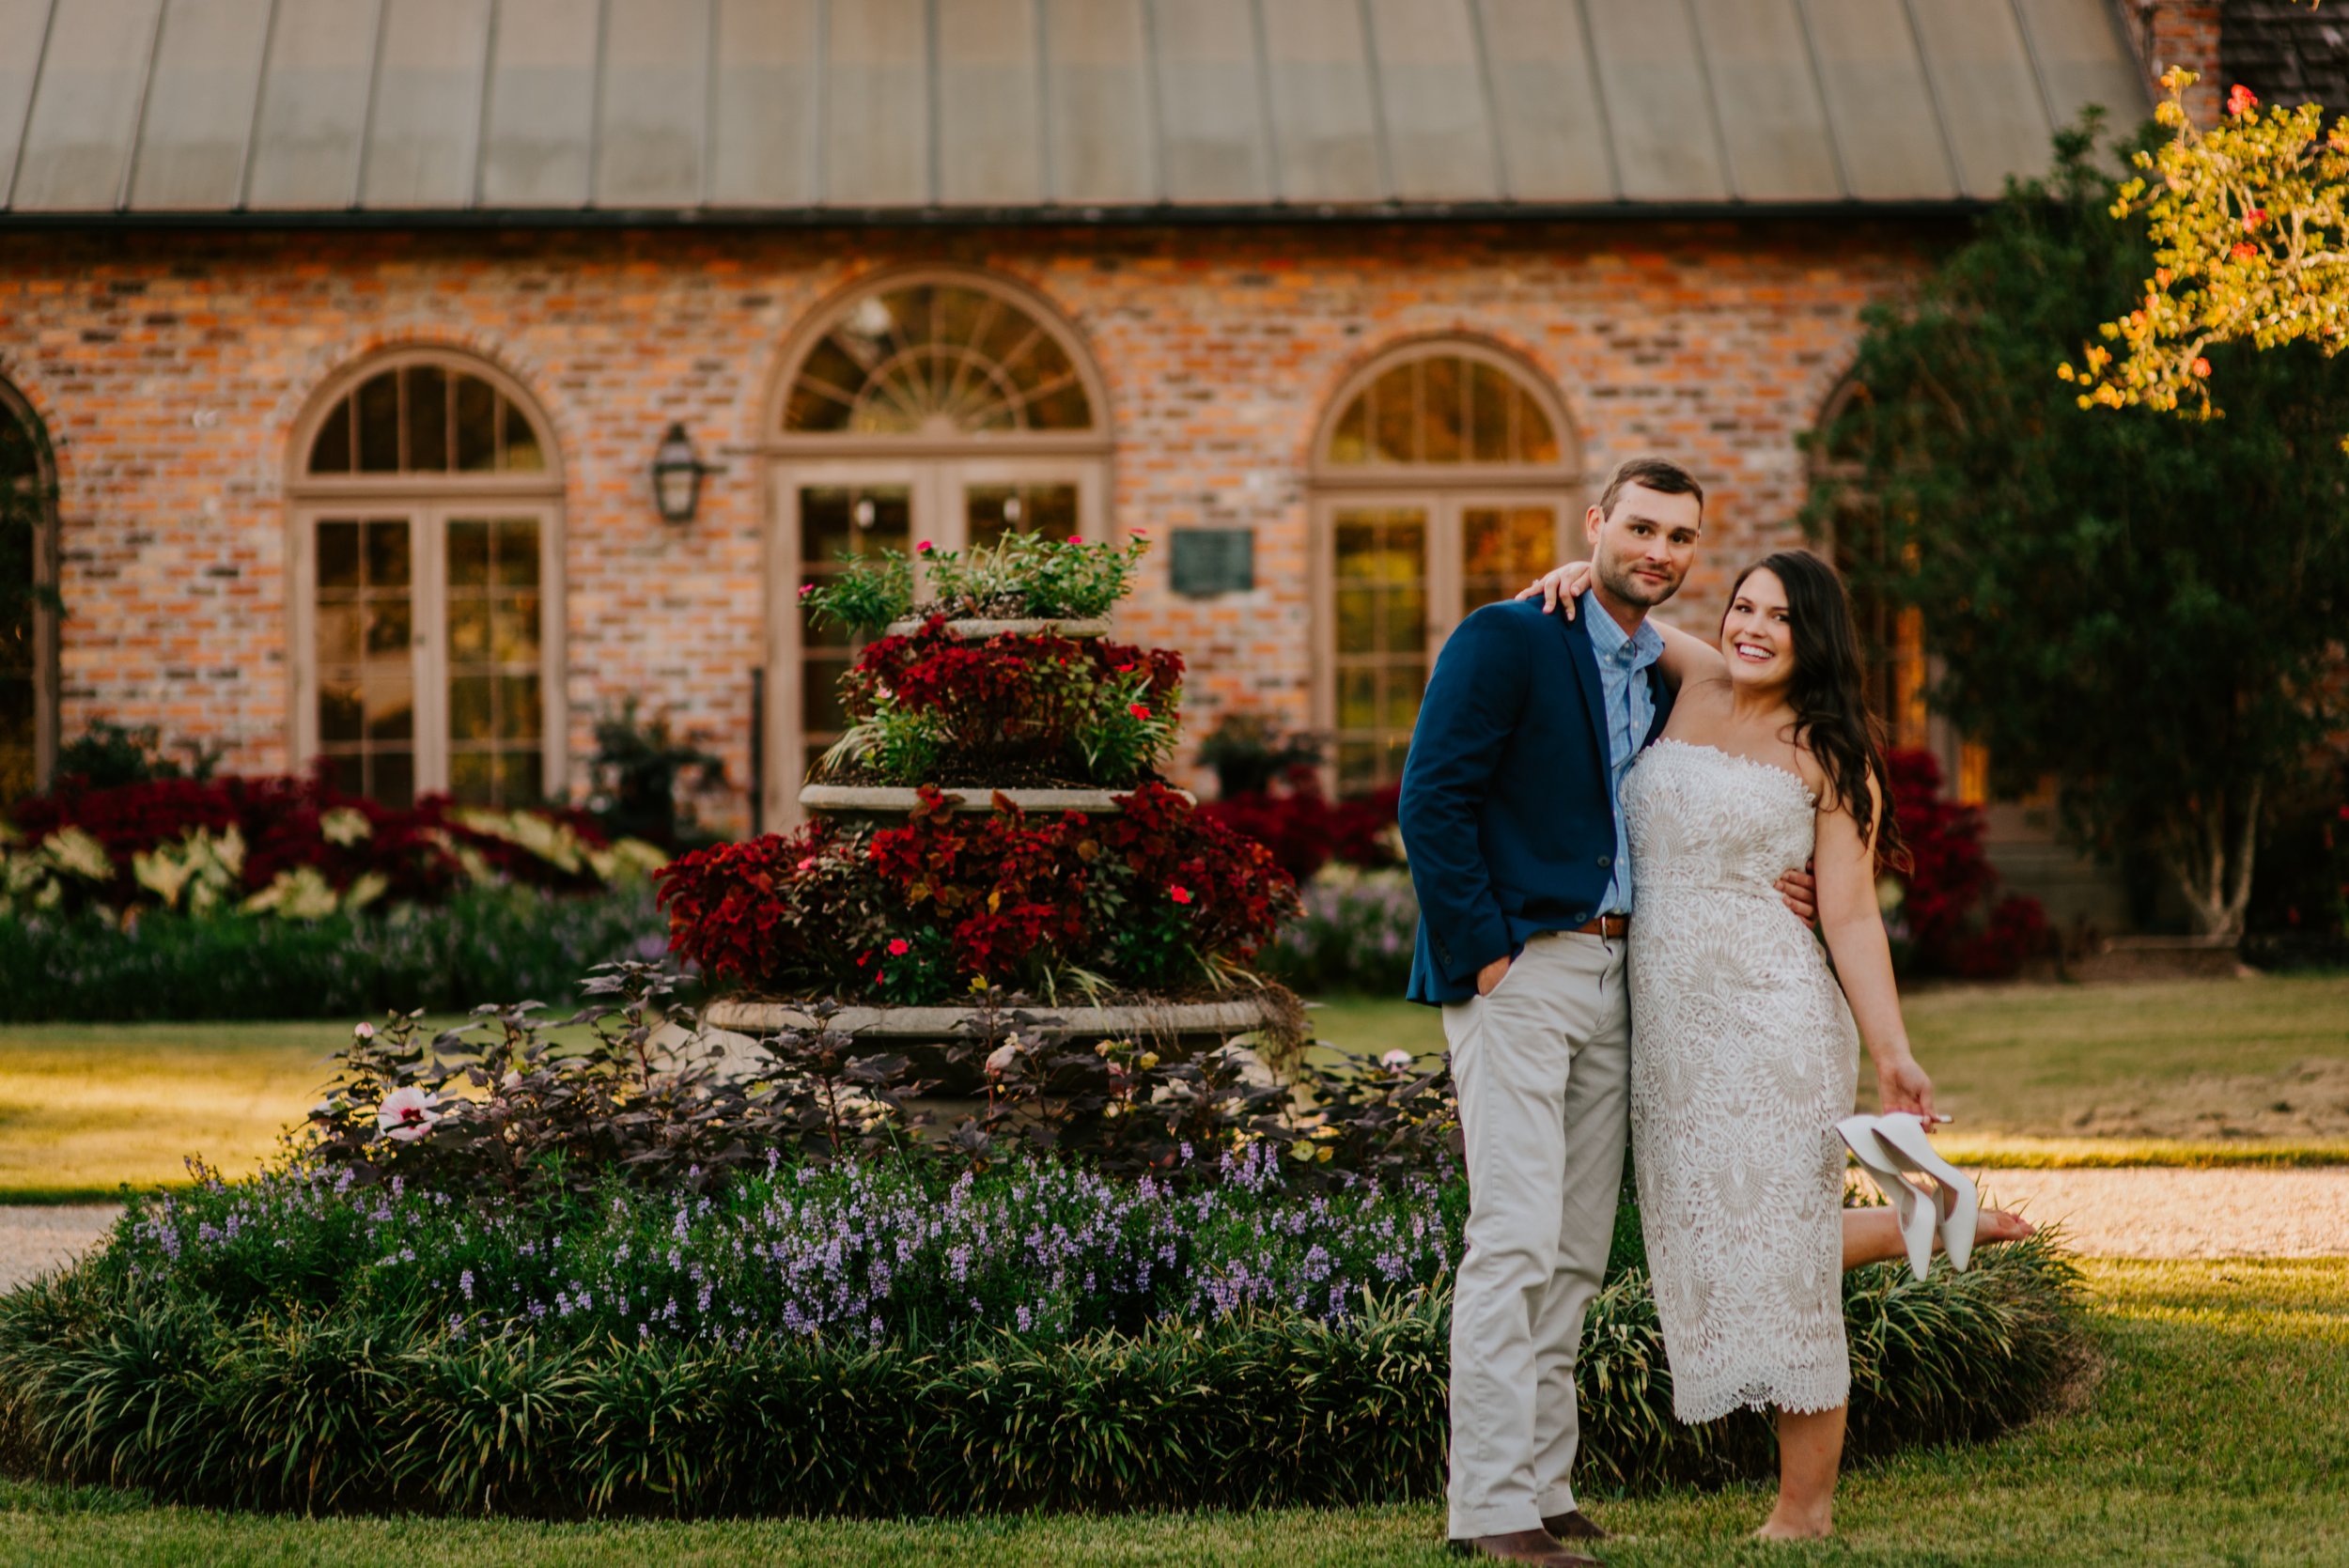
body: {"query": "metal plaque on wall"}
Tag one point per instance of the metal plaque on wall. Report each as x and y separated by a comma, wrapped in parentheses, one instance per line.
(1210, 561)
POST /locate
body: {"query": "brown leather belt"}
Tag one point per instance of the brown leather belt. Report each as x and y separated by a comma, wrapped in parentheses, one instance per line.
(1614, 927)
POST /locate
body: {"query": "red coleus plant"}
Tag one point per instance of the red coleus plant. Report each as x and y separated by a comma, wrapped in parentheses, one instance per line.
(1029, 696)
(917, 913)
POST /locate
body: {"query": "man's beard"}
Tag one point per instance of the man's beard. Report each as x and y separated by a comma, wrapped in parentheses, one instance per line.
(1615, 575)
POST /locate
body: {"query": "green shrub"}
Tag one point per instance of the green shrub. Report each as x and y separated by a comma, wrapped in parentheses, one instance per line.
(1019, 577)
(499, 1108)
(351, 1405)
(1354, 933)
(485, 942)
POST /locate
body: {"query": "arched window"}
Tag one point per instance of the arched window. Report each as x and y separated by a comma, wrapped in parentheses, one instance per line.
(28, 493)
(1892, 635)
(941, 405)
(936, 358)
(1442, 481)
(427, 551)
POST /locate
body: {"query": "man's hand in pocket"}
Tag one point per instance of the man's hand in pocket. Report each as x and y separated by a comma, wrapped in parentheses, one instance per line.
(1491, 976)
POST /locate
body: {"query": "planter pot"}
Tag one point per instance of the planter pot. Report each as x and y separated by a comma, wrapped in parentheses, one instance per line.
(1174, 1029)
(899, 800)
(975, 630)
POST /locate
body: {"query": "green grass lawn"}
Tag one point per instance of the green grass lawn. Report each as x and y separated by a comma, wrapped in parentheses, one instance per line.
(84, 1108)
(2216, 1432)
(2182, 1071)
(2186, 1071)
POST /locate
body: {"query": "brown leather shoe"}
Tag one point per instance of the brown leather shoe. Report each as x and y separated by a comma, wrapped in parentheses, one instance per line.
(1573, 1525)
(1536, 1546)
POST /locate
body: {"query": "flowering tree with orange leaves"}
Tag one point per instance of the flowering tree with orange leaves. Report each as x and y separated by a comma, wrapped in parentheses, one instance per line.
(2249, 222)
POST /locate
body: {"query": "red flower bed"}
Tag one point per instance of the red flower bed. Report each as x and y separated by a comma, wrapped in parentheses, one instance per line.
(1154, 898)
(282, 822)
(1949, 880)
(1013, 696)
(1306, 829)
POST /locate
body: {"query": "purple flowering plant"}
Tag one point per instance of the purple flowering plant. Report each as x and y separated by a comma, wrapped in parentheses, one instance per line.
(862, 1251)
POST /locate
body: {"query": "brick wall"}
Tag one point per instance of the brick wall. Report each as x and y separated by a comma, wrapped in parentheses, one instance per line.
(2181, 33)
(171, 367)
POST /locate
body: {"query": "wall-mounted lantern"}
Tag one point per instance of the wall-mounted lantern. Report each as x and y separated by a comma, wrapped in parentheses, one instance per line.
(677, 477)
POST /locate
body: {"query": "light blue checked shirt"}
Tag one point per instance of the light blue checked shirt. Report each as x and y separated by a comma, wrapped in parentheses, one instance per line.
(1623, 662)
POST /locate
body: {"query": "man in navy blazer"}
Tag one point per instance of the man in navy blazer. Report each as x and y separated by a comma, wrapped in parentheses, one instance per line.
(1512, 823)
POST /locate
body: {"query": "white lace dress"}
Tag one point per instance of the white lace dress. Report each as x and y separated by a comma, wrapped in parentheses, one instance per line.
(1743, 1059)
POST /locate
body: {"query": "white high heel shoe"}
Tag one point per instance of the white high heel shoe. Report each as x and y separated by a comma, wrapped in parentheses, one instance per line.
(1915, 1216)
(1903, 1135)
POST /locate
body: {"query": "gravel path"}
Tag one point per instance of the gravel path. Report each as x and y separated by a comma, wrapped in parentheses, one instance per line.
(38, 1239)
(2127, 1214)
(2186, 1214)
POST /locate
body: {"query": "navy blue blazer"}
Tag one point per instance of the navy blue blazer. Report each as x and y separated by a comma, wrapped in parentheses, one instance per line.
(1506, 814)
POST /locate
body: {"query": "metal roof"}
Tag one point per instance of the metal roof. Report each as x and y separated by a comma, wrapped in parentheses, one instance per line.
(315, 109)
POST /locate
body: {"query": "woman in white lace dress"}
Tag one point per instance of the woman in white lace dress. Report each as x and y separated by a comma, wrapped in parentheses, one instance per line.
(1743, 1047)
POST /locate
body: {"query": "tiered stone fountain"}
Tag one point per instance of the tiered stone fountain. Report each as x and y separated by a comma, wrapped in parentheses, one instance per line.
(1170, 1028)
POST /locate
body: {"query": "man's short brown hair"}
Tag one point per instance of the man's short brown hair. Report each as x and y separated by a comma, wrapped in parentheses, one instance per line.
(1661, 474)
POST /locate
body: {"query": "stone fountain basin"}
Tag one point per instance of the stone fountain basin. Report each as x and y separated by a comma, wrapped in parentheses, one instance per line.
(1097, 628)
(1142, 1021)
(1173, 1030)
(899, 799)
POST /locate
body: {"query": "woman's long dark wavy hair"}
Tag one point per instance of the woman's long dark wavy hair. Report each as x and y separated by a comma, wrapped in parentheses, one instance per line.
(1830, 693)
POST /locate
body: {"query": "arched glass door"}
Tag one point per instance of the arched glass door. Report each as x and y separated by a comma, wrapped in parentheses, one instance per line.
(1443, 484)
(941, 407)
(427, 552)
(28, 739)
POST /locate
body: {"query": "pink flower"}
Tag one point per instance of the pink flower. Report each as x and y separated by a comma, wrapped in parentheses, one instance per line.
(2255, 217)
(807, 862)
(2242, 100)
(900, 947)
(923, 548)
(1138, 710)
(806, 588)
(363, 1031)
(1396, 1061)
(1178, 893)
(406, 1115)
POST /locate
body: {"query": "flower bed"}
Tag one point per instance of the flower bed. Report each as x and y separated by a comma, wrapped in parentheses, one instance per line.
(1155, 898)
(1938, 920)
(516, 1276)
(1014, 708)
(1353, 933)
(857, 1341)
(295, 848)
(484, 941)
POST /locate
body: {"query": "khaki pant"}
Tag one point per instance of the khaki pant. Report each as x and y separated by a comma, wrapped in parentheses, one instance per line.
(1542, 1067)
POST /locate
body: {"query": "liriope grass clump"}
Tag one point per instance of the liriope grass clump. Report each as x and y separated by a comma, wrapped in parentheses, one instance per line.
(853, 1342)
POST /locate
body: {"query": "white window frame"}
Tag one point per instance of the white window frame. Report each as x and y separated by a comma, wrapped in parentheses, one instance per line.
(1444, 491)
(427, 559)
(429, 501)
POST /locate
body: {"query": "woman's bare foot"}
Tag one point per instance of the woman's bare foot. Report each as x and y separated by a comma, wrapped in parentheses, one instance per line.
(1874, 1235)
(1785, 1524)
